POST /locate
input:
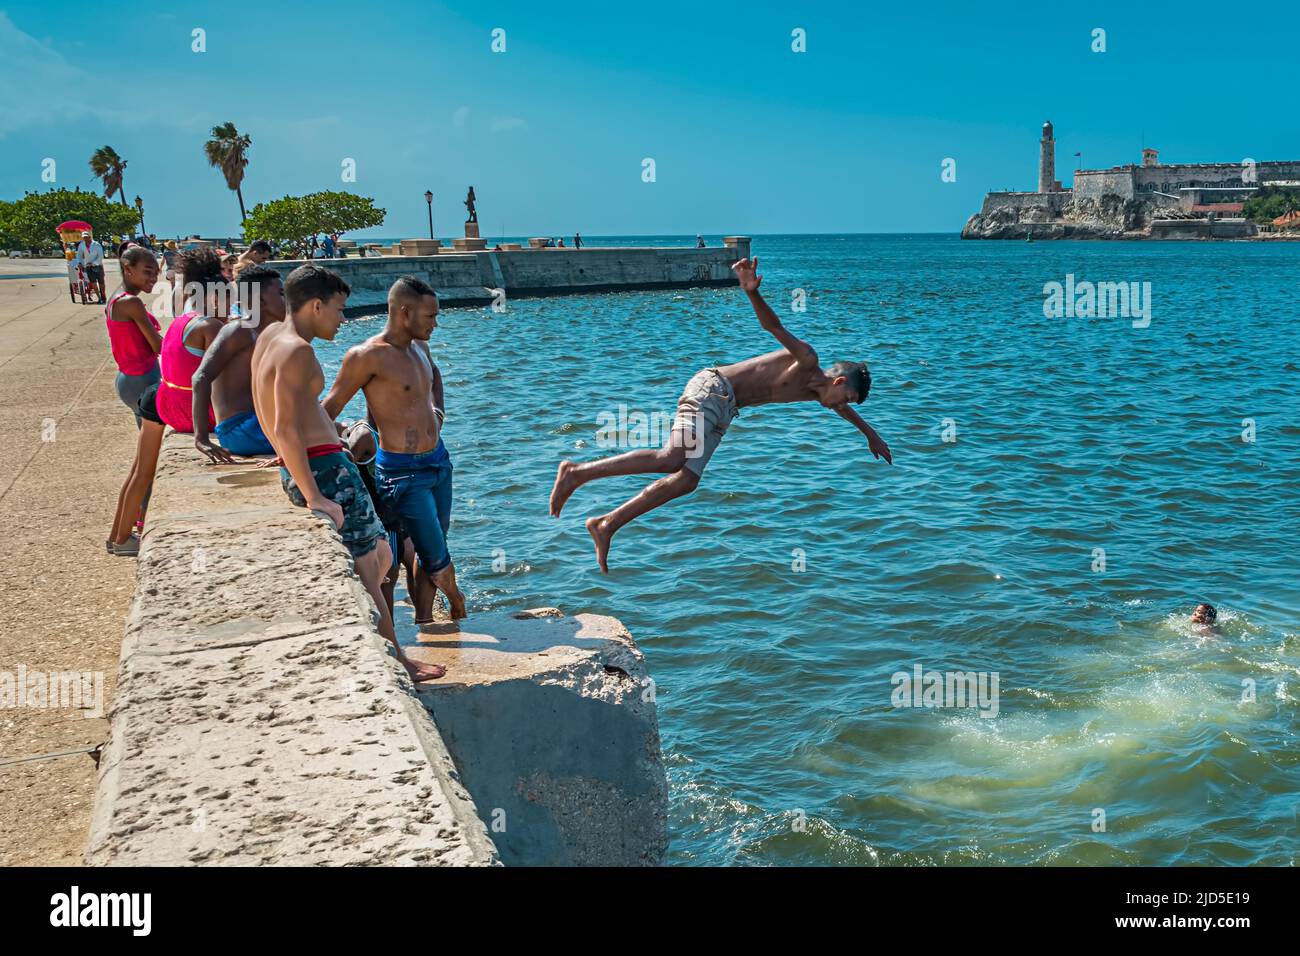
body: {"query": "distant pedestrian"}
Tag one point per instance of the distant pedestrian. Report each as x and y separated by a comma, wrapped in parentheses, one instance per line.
(258, 251)
(327, 243)
(699, 242)
(577, 240)
(90, 257)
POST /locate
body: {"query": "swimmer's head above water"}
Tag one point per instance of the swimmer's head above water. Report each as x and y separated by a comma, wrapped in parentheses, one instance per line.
(1205, 614)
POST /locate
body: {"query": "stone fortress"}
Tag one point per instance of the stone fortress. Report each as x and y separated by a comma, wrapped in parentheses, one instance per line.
(1147, 201)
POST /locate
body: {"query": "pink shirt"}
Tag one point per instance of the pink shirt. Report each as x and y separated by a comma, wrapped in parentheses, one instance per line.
(175, 394)
(131, 350)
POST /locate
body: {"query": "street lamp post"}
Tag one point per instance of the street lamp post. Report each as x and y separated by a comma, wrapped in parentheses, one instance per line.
(428, 198)
(139, 208)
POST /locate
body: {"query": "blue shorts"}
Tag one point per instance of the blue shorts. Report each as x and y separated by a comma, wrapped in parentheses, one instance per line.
(242, 435)
(417, 489)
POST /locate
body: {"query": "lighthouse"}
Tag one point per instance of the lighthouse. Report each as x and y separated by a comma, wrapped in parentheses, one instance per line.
(1047, 160)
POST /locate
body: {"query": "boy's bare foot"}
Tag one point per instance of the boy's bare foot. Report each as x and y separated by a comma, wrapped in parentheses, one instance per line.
(565, 485)
(422, 672)
(598, 528)
(446, 582)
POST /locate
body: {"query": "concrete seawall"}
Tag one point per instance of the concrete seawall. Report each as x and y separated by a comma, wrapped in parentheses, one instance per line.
(472, 278)
(260, 719)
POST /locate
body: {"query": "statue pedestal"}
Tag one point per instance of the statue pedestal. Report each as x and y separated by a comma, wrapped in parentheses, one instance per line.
(420, 247)
(471, 230)
(469, 244)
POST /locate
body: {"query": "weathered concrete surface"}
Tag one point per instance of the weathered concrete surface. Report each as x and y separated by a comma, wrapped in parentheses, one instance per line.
(259, 718)
(467, 278)
(551, 721)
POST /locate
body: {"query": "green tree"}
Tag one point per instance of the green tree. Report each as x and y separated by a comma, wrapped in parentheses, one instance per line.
(1269, 202)
(291, 221)
(227, 151)
(108, 167)
(29, 222)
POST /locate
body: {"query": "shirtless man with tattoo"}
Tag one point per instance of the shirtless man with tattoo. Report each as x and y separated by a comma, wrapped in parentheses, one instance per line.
(403, 390)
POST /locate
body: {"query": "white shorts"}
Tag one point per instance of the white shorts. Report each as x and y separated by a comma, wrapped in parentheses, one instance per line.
(704, 413)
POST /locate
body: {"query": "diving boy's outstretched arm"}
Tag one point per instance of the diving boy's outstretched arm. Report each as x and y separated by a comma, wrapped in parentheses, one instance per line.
(874, 441)
(746, 271)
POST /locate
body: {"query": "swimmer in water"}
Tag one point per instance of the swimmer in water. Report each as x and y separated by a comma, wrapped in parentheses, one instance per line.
(1205, 614)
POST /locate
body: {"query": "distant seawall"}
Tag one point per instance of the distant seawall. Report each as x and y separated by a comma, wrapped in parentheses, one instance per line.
(260, 718)
(472, 278)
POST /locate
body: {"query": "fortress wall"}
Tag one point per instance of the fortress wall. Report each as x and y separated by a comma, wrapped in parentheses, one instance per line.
(1093, 184)
(1173, 177)
(1045, 203)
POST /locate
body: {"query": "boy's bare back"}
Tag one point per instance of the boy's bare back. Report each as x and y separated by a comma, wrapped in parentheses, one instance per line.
(287, 380)
(775, 377)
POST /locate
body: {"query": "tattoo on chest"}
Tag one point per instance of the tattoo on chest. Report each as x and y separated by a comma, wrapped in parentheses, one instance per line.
(412, 439)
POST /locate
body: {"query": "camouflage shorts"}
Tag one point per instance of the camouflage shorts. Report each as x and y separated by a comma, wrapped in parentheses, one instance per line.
(339, 481)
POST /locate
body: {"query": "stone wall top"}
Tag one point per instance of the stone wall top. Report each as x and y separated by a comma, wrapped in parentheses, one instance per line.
(259, 718)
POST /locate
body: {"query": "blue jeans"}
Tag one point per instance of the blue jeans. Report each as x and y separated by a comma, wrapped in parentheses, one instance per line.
(417, 488)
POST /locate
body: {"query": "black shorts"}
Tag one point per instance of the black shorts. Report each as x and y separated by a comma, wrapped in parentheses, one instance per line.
(148, 405)
(94, 273)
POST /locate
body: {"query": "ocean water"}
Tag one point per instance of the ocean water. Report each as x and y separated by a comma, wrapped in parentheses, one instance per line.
(1095, 486)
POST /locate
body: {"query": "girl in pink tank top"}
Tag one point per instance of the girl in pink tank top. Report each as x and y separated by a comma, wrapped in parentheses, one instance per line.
(179, 363)
(133, 352)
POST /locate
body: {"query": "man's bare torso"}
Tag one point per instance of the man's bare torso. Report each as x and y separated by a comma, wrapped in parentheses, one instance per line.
(275, 347)
(399, 396)
(772, 378)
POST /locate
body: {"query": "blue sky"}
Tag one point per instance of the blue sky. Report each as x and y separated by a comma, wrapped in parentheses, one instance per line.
(747, 136)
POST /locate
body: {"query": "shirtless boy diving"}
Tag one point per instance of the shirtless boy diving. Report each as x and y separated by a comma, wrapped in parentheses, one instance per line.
(224, 377)
(403, 391)
(316, 474)
(711, 400)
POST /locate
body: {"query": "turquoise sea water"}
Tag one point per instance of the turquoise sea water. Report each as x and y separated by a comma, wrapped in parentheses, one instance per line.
(1072, 435)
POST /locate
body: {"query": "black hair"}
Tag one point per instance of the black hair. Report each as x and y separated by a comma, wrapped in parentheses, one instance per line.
(312, 282)
(251, 278)
(134, 254)
(201, 266)
(260, 245)
(124, 245)
(857, 374)
(413, 286)
(1211, 615)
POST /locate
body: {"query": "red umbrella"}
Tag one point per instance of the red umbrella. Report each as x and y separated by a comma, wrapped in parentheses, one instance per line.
(73, 225)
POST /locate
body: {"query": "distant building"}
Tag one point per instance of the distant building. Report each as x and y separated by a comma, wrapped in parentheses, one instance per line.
(1047, 161)
(1129, 200)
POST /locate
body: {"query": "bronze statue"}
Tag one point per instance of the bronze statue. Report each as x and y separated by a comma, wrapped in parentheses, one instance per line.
(469, 204)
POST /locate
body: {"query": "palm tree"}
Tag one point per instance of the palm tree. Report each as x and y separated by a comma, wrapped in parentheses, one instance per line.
(107, 166)
(226, 151)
